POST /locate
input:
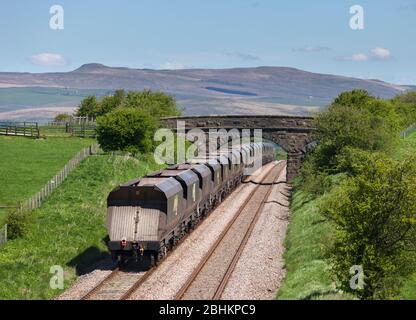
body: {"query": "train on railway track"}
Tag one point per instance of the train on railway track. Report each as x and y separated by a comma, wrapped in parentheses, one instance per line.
(148, 216)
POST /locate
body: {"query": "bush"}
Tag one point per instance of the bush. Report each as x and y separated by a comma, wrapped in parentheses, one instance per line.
(157, 104)
(311, 180)
(18, 223)
(374, 214)
(126, 129)
(356, 120)
(109, 103)
(405, 105)
(62, 117)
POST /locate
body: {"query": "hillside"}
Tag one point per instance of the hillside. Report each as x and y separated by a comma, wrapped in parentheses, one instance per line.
(307, 251)
(271, 90)
(24, 176)
(68, 230)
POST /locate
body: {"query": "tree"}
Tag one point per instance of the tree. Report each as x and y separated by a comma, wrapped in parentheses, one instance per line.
(126, 129)
(357, 98)
(357, 120)
(88, 107)
(374, 213)
(109, 103)
(157, 104)
(405, 105)
(62, 117)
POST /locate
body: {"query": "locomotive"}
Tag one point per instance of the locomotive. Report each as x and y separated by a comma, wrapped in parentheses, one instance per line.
(149, 215)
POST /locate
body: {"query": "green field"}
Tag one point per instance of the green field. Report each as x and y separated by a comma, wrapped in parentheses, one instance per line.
(68, 230)
(53, 131)
(27, 164)
(308, 275)
(12, 99)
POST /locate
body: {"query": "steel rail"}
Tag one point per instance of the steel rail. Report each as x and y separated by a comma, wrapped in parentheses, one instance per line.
(237, 255)
(180, 294)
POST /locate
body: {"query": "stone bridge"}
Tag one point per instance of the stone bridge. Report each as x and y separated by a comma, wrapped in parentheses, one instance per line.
(292, 133)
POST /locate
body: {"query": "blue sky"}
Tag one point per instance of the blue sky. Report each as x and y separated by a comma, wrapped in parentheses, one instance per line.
(310, 35)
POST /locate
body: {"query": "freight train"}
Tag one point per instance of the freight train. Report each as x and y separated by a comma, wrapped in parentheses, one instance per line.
(148, 216)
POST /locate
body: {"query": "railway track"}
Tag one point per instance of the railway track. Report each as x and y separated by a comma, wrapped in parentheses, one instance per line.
(118, 285)
(210, 278)
(121, 284)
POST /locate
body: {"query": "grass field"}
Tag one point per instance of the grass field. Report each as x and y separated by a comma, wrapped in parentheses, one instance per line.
(68, 230)
(12, 99)
(308, 275)
(407, 146)
(53, 131)
(26, 164)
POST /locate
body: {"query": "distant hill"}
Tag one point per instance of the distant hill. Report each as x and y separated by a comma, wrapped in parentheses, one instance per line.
(269, 90)
(411, 88)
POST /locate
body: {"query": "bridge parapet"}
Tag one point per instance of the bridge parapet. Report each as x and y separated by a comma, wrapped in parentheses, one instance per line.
(292, 133)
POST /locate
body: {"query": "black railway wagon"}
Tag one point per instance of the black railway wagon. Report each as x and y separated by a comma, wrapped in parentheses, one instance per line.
(148, 216)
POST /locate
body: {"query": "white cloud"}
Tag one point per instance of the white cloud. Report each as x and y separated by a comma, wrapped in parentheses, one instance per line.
(49, 59)
(355, 57)
(380, 53)
(359, 57)
(172, 66)
(375, 54)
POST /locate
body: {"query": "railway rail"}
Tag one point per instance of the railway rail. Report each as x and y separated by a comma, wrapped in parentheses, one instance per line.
(210, 278)
(117, 285)
(121, 284)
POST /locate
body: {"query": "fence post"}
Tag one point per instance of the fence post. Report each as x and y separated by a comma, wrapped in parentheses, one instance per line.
(36, 201)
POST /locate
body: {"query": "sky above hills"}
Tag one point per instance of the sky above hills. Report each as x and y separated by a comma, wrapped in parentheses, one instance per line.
(165, 34)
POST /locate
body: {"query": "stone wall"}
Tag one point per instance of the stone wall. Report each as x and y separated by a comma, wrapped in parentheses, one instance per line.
(292, 133)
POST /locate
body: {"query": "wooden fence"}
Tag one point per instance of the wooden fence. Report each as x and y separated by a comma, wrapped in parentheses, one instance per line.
(83, 120)
(81, 130)
(23, 129)
(3, 235)
(74, 121)
(36, 201)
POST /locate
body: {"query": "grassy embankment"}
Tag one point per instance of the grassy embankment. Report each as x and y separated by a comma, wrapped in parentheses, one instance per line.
(26, 165)
(68, 230)
(308, 275)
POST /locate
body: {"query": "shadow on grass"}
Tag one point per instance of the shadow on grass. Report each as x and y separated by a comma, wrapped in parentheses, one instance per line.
(95, 259)
(319, 221)
(319, 294)
(302, 201)
(91, 259)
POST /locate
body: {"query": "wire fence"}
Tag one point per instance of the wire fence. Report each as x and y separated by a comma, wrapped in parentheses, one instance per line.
(3, 235)
(36, 201)
(409, 131)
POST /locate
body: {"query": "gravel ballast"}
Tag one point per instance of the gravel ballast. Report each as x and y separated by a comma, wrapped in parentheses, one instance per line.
(260, 270)
(257, 275)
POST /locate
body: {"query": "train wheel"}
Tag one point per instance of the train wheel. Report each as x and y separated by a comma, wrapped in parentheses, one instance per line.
(153, 261)
(119, 261)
